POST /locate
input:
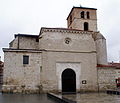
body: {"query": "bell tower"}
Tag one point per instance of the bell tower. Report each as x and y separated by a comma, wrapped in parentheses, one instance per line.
(82, 18)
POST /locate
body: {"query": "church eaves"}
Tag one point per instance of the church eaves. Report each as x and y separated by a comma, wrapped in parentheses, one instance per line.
(26, 35)
(63, 30)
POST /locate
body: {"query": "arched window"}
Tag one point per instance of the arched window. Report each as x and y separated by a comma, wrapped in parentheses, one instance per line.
(86, 26)
(88, 15)
(82, 14)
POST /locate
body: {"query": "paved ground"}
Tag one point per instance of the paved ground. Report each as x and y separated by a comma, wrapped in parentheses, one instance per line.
(29, 98)
(42, 98)
(94, 98)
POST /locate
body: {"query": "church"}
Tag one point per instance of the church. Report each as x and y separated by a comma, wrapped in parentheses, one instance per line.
(58, 59)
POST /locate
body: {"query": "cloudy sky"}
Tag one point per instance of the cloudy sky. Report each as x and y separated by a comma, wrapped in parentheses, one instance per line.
(28, 16)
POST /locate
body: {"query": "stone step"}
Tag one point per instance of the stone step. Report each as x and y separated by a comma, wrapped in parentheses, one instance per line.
(59, 98)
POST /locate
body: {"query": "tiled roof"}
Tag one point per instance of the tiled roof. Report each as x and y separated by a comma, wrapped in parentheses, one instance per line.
(115, 65)
(101, 65)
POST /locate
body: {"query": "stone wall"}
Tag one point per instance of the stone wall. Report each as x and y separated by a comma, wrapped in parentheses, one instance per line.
(101, 49)
(54, 63)
(55, 40)
(117, 73)
(14, 44)
(81, 49)
(106, 78)
(28, 43)
(22, 42)
(19, 77)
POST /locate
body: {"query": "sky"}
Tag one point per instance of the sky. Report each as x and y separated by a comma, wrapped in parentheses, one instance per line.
(28, 16)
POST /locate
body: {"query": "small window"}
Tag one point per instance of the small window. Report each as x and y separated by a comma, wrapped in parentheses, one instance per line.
(67, 40)
(86, 26)
(88, 15)
(25, 59)
(82, 14)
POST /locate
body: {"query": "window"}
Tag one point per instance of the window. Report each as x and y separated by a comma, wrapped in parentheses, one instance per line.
(88, 15)
(67, 40)
(25, 59)
(86, 26)
(82, 14)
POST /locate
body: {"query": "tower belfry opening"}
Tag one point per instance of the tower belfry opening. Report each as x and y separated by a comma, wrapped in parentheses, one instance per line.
(88, 15)
(83, 19)
(82, 14)
(86, 26)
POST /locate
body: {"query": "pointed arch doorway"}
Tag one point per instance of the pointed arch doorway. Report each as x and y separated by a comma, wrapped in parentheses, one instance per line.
(68, 81)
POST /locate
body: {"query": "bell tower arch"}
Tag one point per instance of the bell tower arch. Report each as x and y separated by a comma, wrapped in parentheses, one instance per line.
(82, 18)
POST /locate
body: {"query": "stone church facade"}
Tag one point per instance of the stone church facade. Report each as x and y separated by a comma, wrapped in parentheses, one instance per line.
(58, 59)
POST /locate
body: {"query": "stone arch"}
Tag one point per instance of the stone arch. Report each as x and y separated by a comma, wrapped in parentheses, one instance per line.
(61, 66)
(88, 15)
(82, 14)
(68, 80)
